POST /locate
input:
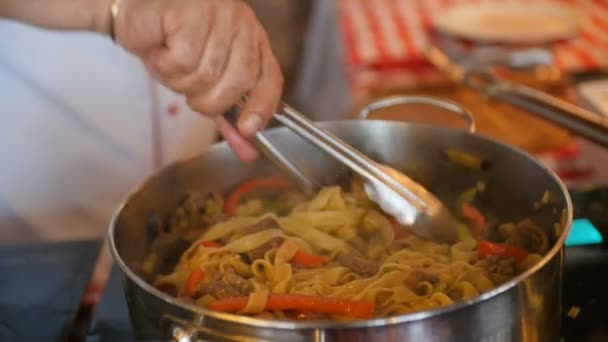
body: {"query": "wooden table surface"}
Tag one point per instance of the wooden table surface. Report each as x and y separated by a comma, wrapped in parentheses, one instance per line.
(495, 119)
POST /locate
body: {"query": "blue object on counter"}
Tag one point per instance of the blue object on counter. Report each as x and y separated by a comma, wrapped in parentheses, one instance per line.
(41, 288)
(583, 232)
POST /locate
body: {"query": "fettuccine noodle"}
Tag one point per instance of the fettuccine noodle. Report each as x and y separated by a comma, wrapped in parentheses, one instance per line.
(406, 275)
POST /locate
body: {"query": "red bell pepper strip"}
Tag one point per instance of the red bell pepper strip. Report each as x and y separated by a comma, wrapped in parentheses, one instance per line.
(210, 244)
(487, 248)
(400, 231)
(475, 218)
(326, 305)
(308, 260)
(194, 279)
(235, 197)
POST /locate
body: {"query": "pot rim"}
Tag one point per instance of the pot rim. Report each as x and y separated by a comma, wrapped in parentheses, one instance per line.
(374, 322)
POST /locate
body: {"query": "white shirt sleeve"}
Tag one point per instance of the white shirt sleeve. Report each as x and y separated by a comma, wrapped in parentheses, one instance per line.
(82, 124)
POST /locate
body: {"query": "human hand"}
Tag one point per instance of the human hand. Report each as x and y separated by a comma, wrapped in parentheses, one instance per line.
(212, 51)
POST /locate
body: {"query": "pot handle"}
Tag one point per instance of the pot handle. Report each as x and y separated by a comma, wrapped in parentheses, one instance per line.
(185, 331)
(391, 101)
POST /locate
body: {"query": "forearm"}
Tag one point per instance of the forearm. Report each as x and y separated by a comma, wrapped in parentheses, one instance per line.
(89, 15)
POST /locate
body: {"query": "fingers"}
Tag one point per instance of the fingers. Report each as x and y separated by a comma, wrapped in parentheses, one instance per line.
(211, 62)
(241, 147)
(138, 26)
(264, 98)
(238, 78)
(217, 50)
(213, 52)
(184, 45)
(259, 108)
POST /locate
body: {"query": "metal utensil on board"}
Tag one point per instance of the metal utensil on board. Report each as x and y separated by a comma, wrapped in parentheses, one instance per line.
(577, 120)
(512, 59)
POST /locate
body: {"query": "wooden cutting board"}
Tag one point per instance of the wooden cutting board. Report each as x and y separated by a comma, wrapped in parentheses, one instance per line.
(495, 119)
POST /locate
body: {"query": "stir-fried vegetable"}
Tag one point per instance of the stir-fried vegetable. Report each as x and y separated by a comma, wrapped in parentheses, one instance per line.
(543, 201)
(272, 182)
(193, 281)
(210, 244)
(465, 159)
(400, 231)
(149, 264)
(213, 205)
(487, 248)
(475, 218)
(308, 260)
(193, 212)
(326, 305)
(463, 232)
(506, 230)
(469, 195)
(274, 205)
(360, 239)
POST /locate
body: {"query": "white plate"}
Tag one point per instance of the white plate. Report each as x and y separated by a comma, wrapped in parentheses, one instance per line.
(510, 22)
(594, 96)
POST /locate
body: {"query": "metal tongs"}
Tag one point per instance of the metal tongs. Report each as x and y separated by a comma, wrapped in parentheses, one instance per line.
(397, 194)
(577, 120)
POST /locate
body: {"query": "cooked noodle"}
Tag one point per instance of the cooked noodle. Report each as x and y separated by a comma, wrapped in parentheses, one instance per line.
(411, 274)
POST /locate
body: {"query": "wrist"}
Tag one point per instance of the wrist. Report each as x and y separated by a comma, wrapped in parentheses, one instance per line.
(91, 15)
(104, 18)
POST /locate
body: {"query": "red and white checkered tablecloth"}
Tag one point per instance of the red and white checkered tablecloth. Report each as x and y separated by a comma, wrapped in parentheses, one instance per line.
(384, 38)
(384, 41)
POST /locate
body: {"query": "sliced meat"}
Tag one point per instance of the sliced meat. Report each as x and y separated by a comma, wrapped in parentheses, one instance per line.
(502, 266)
(265, 224)
(359, 264)
(259, 252)
(228, 285)
(220, 289)
(506, 267)
(413, 279)
(530, 237)
(417, 276)
(241, 284)
(214, 219)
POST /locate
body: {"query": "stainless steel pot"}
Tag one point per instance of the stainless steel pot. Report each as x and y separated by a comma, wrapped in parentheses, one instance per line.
(528, 308)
